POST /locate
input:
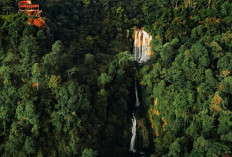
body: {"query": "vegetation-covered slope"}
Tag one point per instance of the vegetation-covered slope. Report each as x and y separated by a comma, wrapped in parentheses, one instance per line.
(66, 90)
(188, 81)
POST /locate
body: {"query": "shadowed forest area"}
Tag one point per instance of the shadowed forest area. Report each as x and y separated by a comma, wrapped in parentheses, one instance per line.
(68, 89)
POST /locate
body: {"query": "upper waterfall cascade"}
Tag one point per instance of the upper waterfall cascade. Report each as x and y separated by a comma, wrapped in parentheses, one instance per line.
(142, 49)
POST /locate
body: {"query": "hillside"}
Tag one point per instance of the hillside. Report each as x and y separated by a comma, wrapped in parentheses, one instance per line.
(73, 87)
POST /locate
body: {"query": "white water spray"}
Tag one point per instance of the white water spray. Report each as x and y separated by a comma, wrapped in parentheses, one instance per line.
(142, 49)
(133, 138)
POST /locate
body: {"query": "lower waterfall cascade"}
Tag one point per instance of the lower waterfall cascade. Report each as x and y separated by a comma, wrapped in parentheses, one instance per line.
(133, 138)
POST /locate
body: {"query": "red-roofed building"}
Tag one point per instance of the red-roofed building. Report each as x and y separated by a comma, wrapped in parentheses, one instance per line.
(32, 10)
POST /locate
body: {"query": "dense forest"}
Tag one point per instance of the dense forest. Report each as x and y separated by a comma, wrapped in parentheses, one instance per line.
(67, 89)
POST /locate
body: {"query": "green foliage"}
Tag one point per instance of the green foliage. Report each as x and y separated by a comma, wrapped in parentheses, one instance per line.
(67, 90)
(227, 83)
(168, 52)
(188, 82)
(88, 153)
(29, 146)
(29, 49)
(175, 148)
(52, 60)
(104, 79)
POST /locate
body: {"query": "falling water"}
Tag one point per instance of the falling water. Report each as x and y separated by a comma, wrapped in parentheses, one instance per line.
(137, 104)
(133, 138)
(141, 48)
(142, 53)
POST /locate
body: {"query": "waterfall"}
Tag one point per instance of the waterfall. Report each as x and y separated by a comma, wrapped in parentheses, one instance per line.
(137, 104)
(142, 52)
(133, 138)
(133, 130)
(141, 48)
